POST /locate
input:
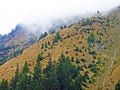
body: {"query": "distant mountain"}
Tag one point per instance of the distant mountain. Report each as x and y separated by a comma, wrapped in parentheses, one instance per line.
(12, 44)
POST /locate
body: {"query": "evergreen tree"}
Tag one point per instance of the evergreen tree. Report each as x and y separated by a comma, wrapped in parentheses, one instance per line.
(4, 85)
(117, 87)
(49, 43)
(37, 72)
(24, 82)
(64, 74)
(24, 79)
(85, 77)
(77, 85)
(46, 46)
(37, 79)
(25, 68)
(14, 81)
(51, 81)
(48, 68)
(43, 35)
(76, 49)
(57, 37)
(39, 57)
(91, 38)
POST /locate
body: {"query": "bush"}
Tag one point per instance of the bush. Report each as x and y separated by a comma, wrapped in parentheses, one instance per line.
(46, 45)
(80, 68)
(49, 43)
(92, 52)
(91, 38)
(66, 52)
(83, 60)
(76, 49)
(94, 57)
(94, 69)
(72, 59)
(77, 61)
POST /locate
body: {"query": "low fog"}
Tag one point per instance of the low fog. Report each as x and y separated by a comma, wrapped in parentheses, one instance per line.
(44, 14)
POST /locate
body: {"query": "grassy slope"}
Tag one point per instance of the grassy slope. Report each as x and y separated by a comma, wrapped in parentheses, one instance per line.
(107, 52)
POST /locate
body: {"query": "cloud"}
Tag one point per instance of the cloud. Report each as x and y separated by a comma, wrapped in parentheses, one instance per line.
(44, 11)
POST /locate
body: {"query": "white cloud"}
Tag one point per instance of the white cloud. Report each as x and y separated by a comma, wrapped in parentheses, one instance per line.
(28, 11)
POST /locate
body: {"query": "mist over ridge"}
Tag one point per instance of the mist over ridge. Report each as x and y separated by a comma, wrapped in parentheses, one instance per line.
(43, 12)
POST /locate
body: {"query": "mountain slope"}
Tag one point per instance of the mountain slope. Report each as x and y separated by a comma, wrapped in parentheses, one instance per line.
(12, 44)
(93, 43)
(23, 36)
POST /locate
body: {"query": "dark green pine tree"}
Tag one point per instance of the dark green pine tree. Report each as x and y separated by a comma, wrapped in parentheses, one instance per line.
(48, 68)
(64, 74)
(39, 58)
(80, 81)
(43, 35)
(25, 69)
(14, 81)
(91, 38)
(24, 82)
(117, 87)
(57, 37)
(4, 85)
(51, 81)
(37, 72)
(37, 78)
(77, 85)
(24, 79)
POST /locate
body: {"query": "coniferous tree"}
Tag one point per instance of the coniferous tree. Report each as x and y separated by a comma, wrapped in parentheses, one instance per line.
(51, 81)
(91, 38)
(39, 58)
(37, 79)
(37, 72)
(57, 37)
(24, 79)
(49, 66)
(24, 82)
(63, 73)
(77, 85)
(43, 35)
(117, 87)
(25, 68)
(14, 81)
(4, 85)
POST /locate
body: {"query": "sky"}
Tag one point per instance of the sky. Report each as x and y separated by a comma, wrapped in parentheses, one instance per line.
(13, 12)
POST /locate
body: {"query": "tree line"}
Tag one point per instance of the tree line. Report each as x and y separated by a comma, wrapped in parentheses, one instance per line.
(61, 75)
